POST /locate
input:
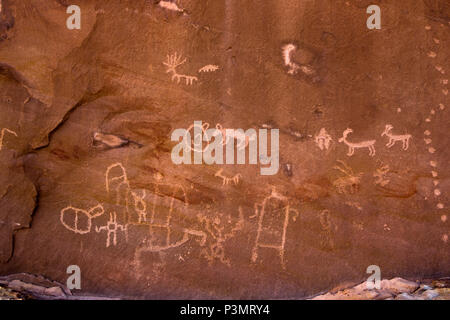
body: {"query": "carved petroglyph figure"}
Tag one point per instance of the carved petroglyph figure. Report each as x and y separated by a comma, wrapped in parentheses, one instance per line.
(241, 138)
(326, 240)
(273, 219)
(2, 135)
(79, 220)
(111, 228)
(294, 67)
(350, 182)
(174, 61)
(370, 144)
(201, 131)
(216, 229)
(209, 68)
(380, 175)
(226, 180)
(323, 139)
(393, 138)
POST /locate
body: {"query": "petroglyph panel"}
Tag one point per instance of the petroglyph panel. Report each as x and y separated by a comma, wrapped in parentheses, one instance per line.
(86, 169)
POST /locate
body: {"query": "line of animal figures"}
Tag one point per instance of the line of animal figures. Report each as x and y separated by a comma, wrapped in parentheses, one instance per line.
(323, 140)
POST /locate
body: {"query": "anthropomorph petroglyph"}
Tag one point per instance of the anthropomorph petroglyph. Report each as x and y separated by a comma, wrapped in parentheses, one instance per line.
(79, 220)
(323, 139)
(111, 229)
(326, 240)
(370, 144)
(219, 231)
(2, 135)
(174, 61)
(209, 68)
(226, 180)
(350, 182)
(393, 138)
(273, 219)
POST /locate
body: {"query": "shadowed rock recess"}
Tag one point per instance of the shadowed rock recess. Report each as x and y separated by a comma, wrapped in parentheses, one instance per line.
(86, 119)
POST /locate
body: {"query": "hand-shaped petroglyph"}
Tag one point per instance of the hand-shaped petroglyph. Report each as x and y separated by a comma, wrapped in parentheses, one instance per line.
(380, 176)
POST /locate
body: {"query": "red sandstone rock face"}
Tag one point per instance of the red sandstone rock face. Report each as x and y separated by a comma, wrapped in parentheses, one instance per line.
(86, 170)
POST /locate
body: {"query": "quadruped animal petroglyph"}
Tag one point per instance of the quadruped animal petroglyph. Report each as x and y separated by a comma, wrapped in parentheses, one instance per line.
(370, 144)
(393, 138)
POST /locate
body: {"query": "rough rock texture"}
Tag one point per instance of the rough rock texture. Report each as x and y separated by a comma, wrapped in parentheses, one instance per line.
(394, 289)
(86, 122)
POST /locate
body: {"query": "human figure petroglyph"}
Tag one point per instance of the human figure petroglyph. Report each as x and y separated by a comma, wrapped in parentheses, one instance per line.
(216, 229)
(350, 182)
(370, 144)
(111, 228)
(325, 221)
(275, 208)
(226, 180)
(2, 135)
(209, 68)
(393, 138)
(174, 61)
(323, 139)
(72, 222)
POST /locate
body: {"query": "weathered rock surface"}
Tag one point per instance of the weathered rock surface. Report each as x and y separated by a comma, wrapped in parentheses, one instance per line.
(86, 117)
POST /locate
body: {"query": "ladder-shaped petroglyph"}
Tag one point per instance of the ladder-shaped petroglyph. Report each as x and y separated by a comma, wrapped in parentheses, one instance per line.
(370, 144)
(323, 139)
(209, 68)
(174, 61)
(350, 182)
(226, 180)
(219, 231)
(111, 229)
(274, 210)
(393, 138)
(79, 220)
(2, 135)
